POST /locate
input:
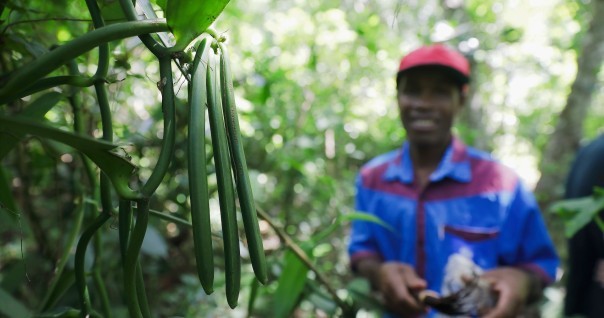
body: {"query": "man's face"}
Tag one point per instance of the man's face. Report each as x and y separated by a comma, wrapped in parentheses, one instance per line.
(428, 100)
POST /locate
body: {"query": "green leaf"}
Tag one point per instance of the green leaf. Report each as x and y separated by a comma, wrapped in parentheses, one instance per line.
(60, 312)
(64, 282)
(149, 13)
(189, 19)
(323, 303)
(360, 292)
(599, 222)
(162, 4)
(11, 307)
(254, 285)
(291, 282)
(598, 192)
(349, 217)
(576, 213)
(362, 216)
(117, 167)
(112, 11)
(36, 111)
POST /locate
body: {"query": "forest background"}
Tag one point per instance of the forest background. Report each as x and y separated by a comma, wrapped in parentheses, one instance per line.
(314, 83)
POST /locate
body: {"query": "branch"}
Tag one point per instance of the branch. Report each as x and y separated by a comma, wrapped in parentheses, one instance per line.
(9, 25)
(295, 248)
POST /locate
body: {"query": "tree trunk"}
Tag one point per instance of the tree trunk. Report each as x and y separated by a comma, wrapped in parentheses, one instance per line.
(565, 140)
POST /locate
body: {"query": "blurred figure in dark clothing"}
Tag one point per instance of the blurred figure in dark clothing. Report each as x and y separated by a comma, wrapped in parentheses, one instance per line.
(585, 283)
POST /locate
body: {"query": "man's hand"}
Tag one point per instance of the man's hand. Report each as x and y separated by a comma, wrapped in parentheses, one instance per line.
(512, 287)
(399, 285)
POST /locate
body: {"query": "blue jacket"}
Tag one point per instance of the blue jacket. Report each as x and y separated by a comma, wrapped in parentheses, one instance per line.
(472, 203)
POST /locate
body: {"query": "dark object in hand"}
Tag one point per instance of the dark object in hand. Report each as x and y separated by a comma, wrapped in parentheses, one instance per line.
(473, 299)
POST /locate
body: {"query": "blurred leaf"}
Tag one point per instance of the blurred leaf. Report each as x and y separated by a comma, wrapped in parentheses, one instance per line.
(11, 307)
(576, 213)
(254, 285)
(60, 312)
(64, 282)
(291, 282)
(149, 12)
(511, 34)
(321, 250)
(162, 4)
(599, 222)
(189, 19)
(115, 165)
(112, 11)
(323, 303)
(598, 192)
(24, 46)
(362, 216)
(360, 292)
(36, 111)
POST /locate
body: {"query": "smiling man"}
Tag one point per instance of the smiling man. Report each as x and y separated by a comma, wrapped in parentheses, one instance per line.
(446, 201)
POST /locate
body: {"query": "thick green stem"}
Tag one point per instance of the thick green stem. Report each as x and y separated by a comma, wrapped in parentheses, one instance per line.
(155, 47)
(46, 83)
(104, 297)
(79, 262)
(170, 218)
(131, 258)
(78, 124)
(140, 291)
(124, 226)
(106, 120)
(96, 276)
(26, 76)
(107, 126)
(97, 20)
(167, 150)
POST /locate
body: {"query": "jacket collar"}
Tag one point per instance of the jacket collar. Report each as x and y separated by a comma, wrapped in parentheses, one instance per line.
(455, 165)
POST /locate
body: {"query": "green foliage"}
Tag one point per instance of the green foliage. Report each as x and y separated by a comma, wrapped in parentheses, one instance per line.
(576, 213)
(189, 20)
(291, 283)
(116, 166)
(12, 307)
(27, 80)
(314, 85)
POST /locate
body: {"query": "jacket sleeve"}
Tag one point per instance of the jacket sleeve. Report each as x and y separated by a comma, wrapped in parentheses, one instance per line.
(362, 242)
(525, 241)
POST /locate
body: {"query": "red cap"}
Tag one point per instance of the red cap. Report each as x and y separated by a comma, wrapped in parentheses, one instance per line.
(439, 55)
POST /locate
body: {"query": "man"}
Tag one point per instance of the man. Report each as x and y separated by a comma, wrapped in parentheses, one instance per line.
(585, 283)
(443, 198)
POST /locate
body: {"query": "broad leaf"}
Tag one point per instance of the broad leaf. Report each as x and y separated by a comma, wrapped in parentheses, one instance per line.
(361, 294)
(576, 213)
(291, 282)
(36, 111)
(64, 283)
(149, 13)
(189, 19)
(362, 216)
(115, 166)
(11, 307)
(60, 312)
